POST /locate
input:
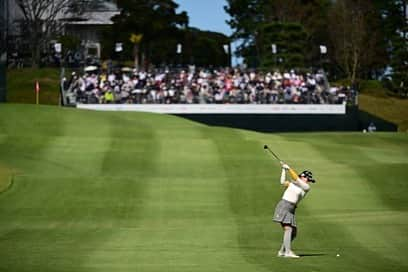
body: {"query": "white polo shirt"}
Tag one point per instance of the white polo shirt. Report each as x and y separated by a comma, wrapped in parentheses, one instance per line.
(296, 191)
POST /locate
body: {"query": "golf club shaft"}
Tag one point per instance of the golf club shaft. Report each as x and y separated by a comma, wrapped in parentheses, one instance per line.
(276, 157)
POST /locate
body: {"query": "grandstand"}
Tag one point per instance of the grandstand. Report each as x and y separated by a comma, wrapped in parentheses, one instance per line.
(249, 99)
(202, 86)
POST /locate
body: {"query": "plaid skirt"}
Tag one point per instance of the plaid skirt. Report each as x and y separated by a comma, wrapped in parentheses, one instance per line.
(285, 213)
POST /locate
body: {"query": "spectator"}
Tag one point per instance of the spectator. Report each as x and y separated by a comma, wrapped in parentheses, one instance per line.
(371, 127)
(108, 97)
(197, 86)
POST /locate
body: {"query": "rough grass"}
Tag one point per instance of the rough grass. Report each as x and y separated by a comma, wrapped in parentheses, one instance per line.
(391, 109)
(116, 191)
(6, 176)
(21, 83)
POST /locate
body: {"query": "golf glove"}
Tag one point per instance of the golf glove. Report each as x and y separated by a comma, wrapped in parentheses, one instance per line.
(285, 166)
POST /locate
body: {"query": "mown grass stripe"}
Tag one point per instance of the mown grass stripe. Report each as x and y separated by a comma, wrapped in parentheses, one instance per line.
(145, 192)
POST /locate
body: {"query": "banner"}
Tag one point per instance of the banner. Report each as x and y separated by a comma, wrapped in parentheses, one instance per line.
(226, 48)
(274, 49)
(323, 49)
(221, 109)
(179, 48)
(118, 47)
(58, 47)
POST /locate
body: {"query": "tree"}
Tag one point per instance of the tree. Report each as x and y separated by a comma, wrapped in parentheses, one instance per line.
(246, 17)
(251, 18)
(40, 22)
(290, 42)
(43, 20)
(354, 35)
(394, 28)
(156, 20)
(205, 48)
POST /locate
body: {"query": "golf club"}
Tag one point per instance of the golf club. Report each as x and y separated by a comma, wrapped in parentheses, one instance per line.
(270, 151)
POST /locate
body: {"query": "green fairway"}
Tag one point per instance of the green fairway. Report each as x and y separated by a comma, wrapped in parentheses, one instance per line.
(117, 191)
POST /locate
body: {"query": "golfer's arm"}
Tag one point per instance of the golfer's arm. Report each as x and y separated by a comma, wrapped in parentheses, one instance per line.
(298, 181)
(293, 174)
(283, 176)
(283, 180)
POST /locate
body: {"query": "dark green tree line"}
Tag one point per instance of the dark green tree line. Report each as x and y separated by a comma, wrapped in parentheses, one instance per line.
(293, 25)
(156, 20)
(163, 28)
(363, 37)
(394, 30)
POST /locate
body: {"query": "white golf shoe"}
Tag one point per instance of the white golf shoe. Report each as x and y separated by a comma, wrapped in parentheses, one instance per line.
(290, 254)
(281, 253)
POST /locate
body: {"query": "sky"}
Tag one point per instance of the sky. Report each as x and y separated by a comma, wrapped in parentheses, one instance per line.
(206, 14)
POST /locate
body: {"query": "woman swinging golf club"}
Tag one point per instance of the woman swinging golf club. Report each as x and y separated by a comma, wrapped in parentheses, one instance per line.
(285, 210)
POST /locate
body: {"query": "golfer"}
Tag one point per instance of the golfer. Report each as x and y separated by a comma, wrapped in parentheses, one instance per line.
(285, 210)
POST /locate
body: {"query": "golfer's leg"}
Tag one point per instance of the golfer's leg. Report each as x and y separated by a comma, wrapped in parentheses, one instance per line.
(294, 233)
(282, 248)
(287, 237)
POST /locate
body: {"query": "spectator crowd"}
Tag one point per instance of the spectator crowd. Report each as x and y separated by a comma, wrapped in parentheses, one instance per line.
(195, 86)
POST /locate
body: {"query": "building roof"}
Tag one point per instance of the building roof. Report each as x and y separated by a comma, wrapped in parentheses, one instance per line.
(94, 18)
(105, 6)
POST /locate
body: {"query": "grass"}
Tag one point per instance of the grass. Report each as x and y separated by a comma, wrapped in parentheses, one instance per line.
(21, 85)
(391, 109)
(6, 178)
(117, 191)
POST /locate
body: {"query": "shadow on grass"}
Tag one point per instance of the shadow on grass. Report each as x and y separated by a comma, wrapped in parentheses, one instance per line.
(365, 118)
(312, 254)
